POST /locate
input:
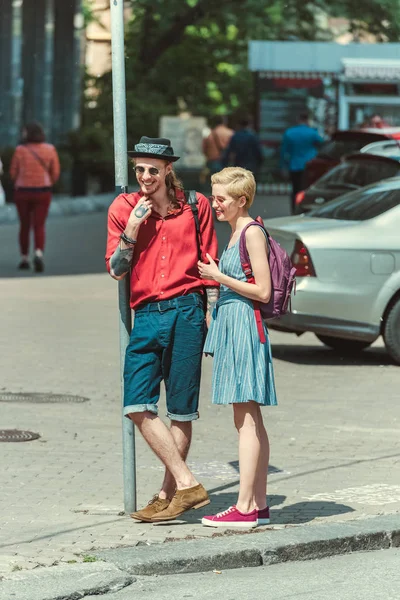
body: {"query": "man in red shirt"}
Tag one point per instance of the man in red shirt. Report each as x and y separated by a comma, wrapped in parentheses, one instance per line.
(152, 235)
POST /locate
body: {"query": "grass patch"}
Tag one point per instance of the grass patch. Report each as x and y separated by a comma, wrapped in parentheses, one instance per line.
(87, 559)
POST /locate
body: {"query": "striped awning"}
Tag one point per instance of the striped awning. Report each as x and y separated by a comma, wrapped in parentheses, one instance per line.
(295, 74)
(371, 69)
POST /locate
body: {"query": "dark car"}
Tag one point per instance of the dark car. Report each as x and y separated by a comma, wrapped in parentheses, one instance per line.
(342, 143)
(354, 172)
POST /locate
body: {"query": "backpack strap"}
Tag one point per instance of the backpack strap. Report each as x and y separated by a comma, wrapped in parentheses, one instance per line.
(248, 271)
(191, 199)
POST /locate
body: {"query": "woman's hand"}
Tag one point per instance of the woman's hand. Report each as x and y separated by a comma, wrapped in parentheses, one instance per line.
(210, 270)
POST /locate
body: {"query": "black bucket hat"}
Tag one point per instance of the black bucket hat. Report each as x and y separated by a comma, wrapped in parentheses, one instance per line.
(154, 148)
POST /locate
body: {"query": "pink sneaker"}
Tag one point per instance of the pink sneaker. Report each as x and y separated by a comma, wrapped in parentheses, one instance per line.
(231, 517)
(263, 516)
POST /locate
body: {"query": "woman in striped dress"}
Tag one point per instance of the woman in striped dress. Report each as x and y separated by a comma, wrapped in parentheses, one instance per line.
(242, 371)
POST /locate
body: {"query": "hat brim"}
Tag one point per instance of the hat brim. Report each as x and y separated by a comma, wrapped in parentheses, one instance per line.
(134, 154)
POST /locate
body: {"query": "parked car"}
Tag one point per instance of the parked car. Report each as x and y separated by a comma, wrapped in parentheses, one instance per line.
(388, 148)
(354, 172)
(347, 257)
(341, 144)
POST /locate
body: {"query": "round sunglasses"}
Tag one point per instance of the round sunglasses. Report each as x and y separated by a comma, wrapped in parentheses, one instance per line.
(152, 170)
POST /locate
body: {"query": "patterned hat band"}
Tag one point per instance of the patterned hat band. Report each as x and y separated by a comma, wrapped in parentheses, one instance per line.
(154, 148)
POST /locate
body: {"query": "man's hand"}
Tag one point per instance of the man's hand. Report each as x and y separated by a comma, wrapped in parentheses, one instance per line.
(212, 299)
(140, 212)
(138, 215)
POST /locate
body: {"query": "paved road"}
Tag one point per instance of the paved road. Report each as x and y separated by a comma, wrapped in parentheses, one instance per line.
(352, 577)
(334, 435)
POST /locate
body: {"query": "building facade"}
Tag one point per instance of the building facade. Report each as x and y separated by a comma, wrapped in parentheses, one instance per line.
(341, 85)
(40, 66)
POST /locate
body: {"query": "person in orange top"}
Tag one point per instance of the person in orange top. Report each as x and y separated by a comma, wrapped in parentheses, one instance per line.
(35, 168)
(215, 143)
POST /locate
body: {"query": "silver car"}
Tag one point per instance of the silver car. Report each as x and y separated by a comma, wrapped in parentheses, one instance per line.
(347, 256)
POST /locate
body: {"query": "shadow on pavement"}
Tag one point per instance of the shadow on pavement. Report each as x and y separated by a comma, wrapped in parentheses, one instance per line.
(300, 512)
(321, 355)
(304, 512)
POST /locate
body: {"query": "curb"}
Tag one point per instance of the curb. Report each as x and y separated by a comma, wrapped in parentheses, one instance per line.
(64, 206)
(64, 582)
(262, 548)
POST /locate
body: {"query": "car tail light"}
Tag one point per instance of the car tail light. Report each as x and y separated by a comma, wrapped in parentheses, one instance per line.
(300, 197)
(301, 260)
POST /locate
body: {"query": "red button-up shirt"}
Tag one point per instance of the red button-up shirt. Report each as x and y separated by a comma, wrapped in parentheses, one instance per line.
(165, 257)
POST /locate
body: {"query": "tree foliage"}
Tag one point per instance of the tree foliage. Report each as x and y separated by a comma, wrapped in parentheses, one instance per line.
(192, 54)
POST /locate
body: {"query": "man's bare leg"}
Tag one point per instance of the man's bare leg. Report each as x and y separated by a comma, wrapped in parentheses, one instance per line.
(182, 434)
(161, 441)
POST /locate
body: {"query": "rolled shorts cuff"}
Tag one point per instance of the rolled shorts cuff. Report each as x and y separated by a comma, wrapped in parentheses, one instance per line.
(135, 408)
(183, 418)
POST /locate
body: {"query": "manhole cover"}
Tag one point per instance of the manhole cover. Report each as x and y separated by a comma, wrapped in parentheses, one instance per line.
(15, 435)
(41, 398)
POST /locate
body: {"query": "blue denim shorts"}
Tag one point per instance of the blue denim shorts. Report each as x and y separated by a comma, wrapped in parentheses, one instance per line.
(166, 343)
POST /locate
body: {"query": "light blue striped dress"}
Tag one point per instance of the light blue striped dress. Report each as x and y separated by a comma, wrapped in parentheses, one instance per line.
(242, 369)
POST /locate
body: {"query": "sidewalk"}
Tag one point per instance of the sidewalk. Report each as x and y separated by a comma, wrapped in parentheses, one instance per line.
(334, 435)
(66, 205)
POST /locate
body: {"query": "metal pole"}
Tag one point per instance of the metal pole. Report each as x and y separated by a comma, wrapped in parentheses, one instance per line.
(16, 67)
(47, 79)
(121, 186)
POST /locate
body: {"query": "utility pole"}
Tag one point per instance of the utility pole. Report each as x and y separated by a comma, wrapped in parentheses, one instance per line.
(121, 186)
(16, 68)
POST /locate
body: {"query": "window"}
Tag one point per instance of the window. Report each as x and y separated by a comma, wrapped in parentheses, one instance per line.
(335, 149)
(358, 173)
(360, 205)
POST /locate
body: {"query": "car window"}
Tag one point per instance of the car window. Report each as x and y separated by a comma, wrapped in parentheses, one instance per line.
(360, 205)
(335, 149)
(358, 173)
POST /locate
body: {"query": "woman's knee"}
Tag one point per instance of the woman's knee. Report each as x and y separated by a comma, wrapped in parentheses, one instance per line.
(245, 416)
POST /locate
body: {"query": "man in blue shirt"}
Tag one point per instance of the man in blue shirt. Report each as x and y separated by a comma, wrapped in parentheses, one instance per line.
(244, 149)
(299, 145)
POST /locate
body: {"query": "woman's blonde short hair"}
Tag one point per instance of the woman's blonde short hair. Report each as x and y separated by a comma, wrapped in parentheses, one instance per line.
(239, 182)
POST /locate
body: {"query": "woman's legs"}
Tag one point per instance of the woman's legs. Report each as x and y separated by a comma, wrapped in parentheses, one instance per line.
(260, 488)
(253, 456)
(40, 212)
(24, 213)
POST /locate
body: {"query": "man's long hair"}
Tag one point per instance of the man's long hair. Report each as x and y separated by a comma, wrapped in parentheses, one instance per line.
(173, 183)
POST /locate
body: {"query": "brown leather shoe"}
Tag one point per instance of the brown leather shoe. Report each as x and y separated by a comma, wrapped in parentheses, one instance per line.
(155, 505)
(194, 497)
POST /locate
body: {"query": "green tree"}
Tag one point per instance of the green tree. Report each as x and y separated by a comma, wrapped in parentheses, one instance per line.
(192, 54)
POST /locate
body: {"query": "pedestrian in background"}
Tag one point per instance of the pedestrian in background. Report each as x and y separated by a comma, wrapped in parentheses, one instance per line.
(35, 168)
(244, 149)
(2, 194)
(242, 369)
(152, 238)
(299, 145)
(215, 144)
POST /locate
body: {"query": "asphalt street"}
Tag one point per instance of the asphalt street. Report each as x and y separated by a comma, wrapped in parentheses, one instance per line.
(374, 575)
(76, 244)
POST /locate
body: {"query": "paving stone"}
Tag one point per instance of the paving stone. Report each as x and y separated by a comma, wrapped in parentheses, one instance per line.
(329, 436)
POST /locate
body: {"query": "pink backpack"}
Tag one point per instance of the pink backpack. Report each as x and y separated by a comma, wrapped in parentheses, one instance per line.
(282, 278)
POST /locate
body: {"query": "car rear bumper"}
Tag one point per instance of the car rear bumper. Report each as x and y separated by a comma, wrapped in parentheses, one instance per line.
(300, 323)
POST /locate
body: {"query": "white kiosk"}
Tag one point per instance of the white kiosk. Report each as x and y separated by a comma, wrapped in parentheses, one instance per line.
(342, 86)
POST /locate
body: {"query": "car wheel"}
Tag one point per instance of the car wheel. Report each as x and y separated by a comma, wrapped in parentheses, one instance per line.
(343, 346)
(391, 332)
